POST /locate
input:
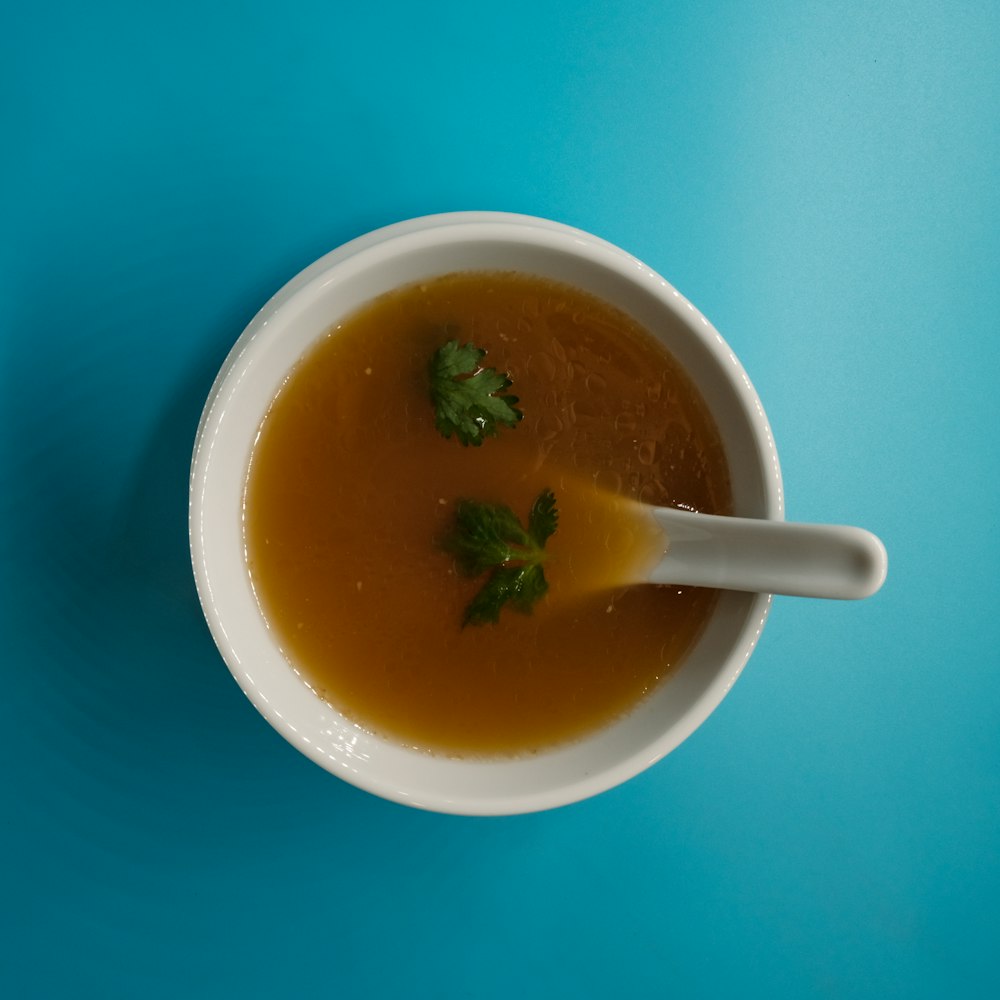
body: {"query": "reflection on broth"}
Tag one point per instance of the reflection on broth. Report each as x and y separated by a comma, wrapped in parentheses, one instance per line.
(351, 488)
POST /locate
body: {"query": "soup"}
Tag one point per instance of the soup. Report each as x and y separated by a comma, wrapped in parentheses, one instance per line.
(351, 489)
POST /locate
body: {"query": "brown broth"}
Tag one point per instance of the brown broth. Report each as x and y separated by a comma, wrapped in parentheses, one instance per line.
(351, 488)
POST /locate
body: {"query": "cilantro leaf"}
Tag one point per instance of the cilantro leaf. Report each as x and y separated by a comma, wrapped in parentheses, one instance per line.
(520, 585)
(490, 537)
(544, 517)
(485, 535)
(468, 399)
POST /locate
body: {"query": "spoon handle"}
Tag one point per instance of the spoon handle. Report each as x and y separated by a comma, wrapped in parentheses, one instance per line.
(773, 557)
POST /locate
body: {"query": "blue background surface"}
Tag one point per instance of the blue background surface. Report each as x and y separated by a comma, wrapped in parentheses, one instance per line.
(820, 179)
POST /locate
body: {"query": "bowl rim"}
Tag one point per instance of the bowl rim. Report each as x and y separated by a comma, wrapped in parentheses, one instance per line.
(428, 230)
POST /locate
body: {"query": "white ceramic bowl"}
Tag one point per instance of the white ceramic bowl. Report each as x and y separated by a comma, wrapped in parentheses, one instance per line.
(277, 337)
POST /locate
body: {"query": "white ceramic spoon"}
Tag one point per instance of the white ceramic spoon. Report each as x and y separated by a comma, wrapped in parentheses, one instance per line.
(772, 557)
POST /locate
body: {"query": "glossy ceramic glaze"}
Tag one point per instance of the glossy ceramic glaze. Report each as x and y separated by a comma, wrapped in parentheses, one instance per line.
(290, 322)
(833, 561)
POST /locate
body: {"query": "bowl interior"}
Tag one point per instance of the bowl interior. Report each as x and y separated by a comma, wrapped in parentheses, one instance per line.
(254, 372)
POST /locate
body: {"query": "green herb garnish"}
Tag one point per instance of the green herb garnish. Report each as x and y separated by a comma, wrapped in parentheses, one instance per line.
(467, 397)
(490, 537)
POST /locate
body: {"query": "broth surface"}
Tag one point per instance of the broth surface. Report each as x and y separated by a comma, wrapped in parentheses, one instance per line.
(351, 488)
